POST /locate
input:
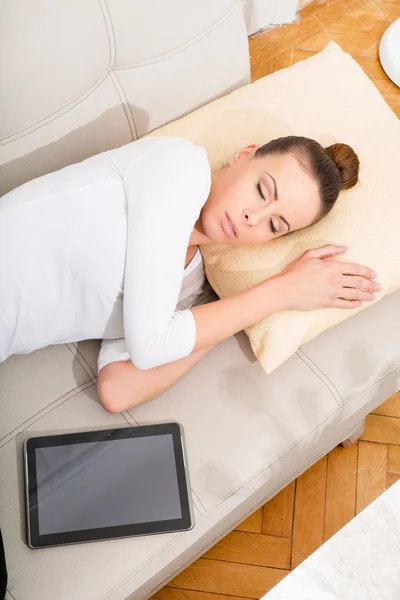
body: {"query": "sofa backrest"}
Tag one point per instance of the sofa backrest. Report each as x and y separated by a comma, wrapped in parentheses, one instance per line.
(78, 77)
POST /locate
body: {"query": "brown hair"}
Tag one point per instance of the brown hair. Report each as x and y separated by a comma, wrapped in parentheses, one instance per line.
(335, 168)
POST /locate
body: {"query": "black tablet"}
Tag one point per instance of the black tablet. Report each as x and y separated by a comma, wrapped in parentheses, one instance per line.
(97, 485)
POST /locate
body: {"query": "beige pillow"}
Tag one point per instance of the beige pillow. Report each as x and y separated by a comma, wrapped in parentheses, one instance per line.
(327, 97)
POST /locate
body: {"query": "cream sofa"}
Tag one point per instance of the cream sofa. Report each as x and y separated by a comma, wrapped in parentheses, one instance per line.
(82, 77)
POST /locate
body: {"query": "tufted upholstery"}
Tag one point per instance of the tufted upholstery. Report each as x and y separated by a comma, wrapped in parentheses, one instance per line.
(72, 92)
(84, 76)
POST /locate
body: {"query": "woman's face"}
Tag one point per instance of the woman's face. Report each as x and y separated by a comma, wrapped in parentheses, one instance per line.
(255, 200)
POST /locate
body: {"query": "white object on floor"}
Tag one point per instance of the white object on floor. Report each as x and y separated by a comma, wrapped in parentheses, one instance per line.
(259, 14)
(360, 562)
(389, 52)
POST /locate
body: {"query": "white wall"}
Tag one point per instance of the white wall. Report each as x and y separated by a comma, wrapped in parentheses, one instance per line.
(262, 13)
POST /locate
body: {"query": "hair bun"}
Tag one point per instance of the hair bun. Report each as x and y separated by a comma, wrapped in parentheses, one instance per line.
(347, 163)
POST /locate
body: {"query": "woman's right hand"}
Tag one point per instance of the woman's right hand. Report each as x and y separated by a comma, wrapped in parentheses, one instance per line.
(312, 282)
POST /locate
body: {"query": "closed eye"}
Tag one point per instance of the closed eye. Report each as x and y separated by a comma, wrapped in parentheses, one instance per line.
(271, 222)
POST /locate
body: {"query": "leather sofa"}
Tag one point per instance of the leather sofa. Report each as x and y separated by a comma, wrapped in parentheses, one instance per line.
(83, 77)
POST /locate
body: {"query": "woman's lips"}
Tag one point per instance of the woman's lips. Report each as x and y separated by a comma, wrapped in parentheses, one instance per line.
(229, 226)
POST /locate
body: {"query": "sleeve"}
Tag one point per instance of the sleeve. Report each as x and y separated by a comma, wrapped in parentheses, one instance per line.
(166, 188)
(112, 351)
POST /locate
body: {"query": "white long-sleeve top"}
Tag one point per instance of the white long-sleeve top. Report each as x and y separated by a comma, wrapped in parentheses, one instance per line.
(97, 250)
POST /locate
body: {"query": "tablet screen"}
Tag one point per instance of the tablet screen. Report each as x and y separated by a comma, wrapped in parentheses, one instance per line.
(109, 483)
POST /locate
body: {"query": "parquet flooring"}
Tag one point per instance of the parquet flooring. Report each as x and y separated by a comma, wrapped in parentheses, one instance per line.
(356, 25)
(279, 536)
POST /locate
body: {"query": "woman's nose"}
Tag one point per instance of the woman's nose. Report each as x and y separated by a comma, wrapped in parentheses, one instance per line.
(253, 217)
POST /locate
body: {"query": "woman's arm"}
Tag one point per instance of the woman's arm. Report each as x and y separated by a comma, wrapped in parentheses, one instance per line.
(166, 187)
(121, 385)
(221, 319)
(308, 283)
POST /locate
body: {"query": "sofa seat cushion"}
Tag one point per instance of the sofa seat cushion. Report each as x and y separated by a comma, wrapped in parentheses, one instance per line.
(247, 434)
(248, 422)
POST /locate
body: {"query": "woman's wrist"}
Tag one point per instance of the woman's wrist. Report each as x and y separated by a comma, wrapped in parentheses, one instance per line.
(278, 293)
(219, 320)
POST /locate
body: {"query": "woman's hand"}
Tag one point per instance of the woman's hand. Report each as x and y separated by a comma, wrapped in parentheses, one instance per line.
(310, 282)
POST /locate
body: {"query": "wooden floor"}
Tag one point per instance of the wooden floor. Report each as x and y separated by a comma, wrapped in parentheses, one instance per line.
(356, 25)
(278, 537)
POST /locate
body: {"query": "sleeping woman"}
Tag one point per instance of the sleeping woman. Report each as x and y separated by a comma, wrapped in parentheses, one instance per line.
(109, 249)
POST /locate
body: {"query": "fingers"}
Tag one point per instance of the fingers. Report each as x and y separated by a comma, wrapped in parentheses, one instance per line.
(355, 269)
(350, 269)
(356, 294)
(326, 251)
(341, 303)
(356, 281)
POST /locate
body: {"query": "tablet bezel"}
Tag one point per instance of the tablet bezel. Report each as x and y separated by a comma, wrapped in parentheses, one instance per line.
(186, 522)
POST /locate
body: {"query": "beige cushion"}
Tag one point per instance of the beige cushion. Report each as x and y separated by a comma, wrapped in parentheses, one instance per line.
(327, 97)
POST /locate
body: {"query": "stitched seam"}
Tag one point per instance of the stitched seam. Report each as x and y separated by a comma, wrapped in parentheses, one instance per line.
(243, 485)
(124, 417)
(110, 46)
(113, 53)
(340, 407)
(10, 594)
(261, 503)
(23, 423)
(124, 103)
(137, 423)
(276, 460)
(317, 374)
(321, 375)
(60, 112)
(361, 391)
(83, 96)
(194, 502)
(113, 35)
(208, 545)
(181, 47)
(199, 501)
(372, 384)
(324, 374)
(71, 394)
(90, 374)
(141, 569)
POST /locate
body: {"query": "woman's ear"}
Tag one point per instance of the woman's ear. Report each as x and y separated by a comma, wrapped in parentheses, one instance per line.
(246, 152)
